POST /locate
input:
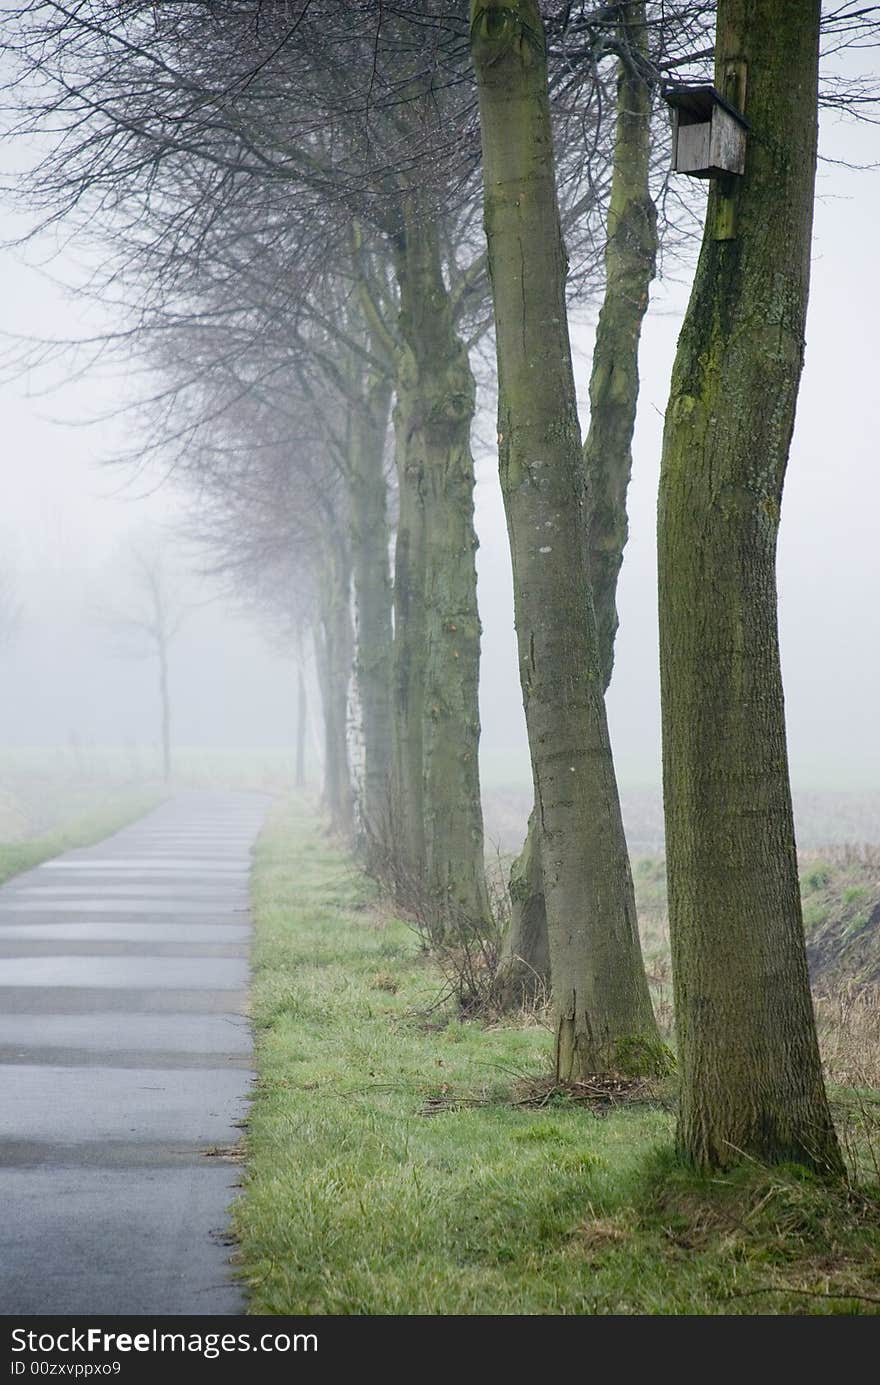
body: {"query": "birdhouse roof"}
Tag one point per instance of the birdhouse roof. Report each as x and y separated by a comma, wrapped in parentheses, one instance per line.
(700, 100)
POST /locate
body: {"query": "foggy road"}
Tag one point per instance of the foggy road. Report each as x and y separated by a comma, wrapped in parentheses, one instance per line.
(125, 1060)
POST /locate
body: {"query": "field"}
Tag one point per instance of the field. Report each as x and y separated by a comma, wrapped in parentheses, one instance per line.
(823, 817)
(53, 800)
(50, 802)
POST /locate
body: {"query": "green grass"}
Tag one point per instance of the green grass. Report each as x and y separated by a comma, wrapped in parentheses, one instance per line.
(357, 1200)
(117, 809)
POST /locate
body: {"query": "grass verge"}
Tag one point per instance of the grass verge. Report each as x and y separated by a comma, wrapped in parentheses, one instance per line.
(390, 1169)
(117, 810)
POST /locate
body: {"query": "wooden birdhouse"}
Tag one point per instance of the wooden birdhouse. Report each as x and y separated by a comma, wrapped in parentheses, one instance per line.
(708, 133)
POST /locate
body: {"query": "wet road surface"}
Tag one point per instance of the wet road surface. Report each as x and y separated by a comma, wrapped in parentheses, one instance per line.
(125, 1058)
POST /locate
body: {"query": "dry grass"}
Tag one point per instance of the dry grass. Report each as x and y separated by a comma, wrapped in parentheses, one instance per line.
(840, 888)
(847, 1014)
(848, 1021)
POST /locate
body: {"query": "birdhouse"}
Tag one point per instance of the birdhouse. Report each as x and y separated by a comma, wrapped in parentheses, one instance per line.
(708, 133)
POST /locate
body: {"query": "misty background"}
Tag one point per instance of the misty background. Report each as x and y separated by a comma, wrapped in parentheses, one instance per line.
(67, 518)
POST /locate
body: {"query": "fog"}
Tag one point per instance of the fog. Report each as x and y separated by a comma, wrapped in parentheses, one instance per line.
(65, 514)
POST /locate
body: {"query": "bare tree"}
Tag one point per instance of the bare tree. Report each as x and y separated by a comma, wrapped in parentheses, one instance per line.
(146, 617)
(604, 1020)
(318, 117)
(271, 518)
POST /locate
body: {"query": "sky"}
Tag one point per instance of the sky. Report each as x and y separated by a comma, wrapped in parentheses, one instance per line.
(65, 518)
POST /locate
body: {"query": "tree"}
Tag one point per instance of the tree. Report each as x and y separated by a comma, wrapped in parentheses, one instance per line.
(603, 1010)
(282, 422)
(272, 516)
(368, 381)
(630, 261)
(751, 1083)
(149, 619)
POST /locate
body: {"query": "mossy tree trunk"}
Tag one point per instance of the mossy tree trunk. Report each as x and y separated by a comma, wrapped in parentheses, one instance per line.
(334, 651)
(438, 820)
(751, 1083)
(603, 1010)
(630, 263)
(407, 826)
(368, 503)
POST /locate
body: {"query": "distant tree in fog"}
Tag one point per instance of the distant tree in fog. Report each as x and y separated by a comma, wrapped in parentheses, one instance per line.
(146, 614)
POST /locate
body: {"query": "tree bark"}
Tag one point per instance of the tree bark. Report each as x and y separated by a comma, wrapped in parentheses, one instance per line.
(524, 967)
(407, 828)
(630, 265)
(368, 495)
(438, 815)
(334, 650)
(604, 1019)
(751, 1083)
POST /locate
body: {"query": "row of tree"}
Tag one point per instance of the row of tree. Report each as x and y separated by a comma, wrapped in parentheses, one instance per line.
(289, 197)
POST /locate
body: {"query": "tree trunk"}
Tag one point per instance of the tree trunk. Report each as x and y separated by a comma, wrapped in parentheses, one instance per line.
(438, 814)
(751, 1083)
(524, 968)
(603, 1010)
(368, 493)
(630, 265)
(407, 828)
(334, 650)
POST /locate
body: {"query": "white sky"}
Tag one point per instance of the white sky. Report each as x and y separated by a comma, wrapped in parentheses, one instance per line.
(64, 518)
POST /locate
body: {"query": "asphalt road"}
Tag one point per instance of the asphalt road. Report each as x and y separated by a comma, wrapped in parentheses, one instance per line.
(125, 1065)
